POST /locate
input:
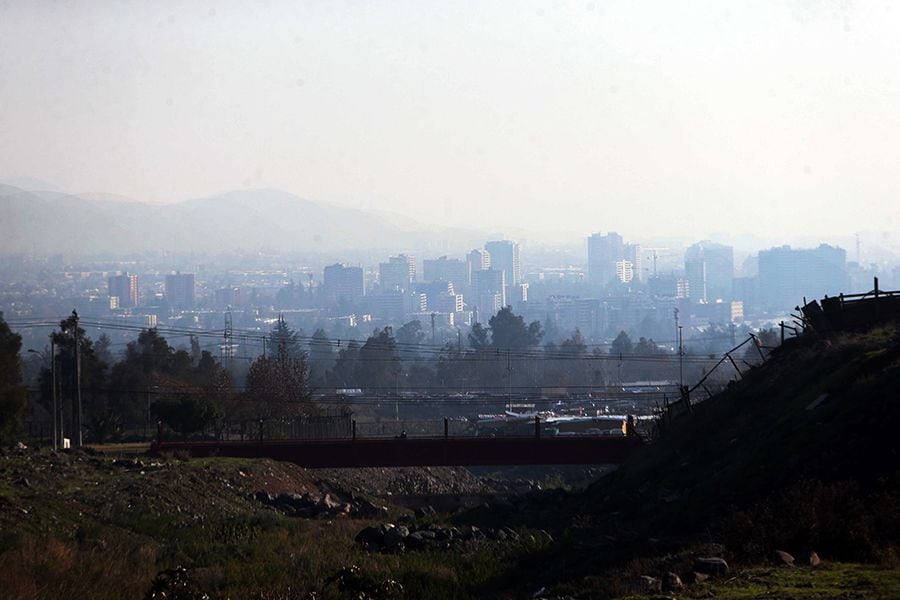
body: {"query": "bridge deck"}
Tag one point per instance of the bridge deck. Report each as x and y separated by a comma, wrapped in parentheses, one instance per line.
(416, 452)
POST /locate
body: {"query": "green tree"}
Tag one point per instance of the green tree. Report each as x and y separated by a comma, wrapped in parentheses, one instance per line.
(13, 396)
(508, 331)
(187, 414)
(379, 365)
(284, 340)
(95, 397)
(409, 337)
(622, 345)
(150, 365)
(278, 385)
(321, 359)
(344, 373)
(479, 337)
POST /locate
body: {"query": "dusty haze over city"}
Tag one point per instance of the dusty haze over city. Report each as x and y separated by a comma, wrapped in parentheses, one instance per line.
(548, 121)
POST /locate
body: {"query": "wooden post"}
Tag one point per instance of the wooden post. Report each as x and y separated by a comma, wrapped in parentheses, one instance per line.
(446, 428)
(537, 427)
(354, 429)
(758, 347)
(734, 364)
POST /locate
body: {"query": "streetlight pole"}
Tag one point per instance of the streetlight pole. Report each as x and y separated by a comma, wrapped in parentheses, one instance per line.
(79, 415)
(53, 388)
(56, 435)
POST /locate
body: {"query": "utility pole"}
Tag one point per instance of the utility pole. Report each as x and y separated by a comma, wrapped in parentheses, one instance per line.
(432, 329)
(79, 439)
(508, 383)
(680, 358)
(53, 395)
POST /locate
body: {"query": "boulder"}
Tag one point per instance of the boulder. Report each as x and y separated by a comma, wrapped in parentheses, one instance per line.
(808, 559)
(712, 565)
(366, 509)
(264, 497)
(425, 511)
(644, 584)
(416, 541)
(672, 582)
(370, 535)
(694, 577)
(330, 502)
(395, 535)
(780, 557)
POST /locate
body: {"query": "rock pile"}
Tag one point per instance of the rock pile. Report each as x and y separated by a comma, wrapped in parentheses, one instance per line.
(392, 538)
(325, 506)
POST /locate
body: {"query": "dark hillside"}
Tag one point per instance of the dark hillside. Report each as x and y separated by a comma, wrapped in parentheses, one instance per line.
(826, 410)
(801, 454)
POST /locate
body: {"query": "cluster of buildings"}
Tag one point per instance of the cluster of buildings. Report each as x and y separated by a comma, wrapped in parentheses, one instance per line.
(455, 291)
(623, 286)
(124, 291)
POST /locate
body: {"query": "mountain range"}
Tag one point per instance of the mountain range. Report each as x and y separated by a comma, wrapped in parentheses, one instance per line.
(50, 222)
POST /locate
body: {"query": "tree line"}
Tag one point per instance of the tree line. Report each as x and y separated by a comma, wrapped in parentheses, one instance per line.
(190, 390)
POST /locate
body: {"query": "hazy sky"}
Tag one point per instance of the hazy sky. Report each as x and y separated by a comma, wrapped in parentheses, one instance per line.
(644, 117)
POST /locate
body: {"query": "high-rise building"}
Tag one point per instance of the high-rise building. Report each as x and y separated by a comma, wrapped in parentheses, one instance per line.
(478, 260)
(632, 253)
(709, 269)
(604, 251)
(180, 290)
(343, 283)
(398, 273)
(624, 271)
(505, 257)
(488, 292)
(447, 269)
(606, 254)
(124, 288)
(787, 275)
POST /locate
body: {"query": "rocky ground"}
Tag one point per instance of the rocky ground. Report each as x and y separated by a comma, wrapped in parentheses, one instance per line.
(784, 486)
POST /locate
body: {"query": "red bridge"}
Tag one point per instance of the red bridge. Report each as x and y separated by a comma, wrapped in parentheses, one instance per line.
(421, 452)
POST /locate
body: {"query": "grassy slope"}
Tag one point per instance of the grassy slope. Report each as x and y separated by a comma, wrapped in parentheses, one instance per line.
(84, 527)
(748, 472)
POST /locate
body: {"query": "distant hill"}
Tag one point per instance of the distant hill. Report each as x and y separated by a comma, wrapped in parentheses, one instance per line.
(55, 222)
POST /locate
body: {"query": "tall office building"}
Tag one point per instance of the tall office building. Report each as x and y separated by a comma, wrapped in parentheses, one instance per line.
(606, 257)
(398, 273)
(603, 253)
(180, 290)
(343, 283)
(632, 253)
(505, 257)
(709, 269)
(478, 260)
(124, 288)
(787, 274)
(447, 269)
(488, 292)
